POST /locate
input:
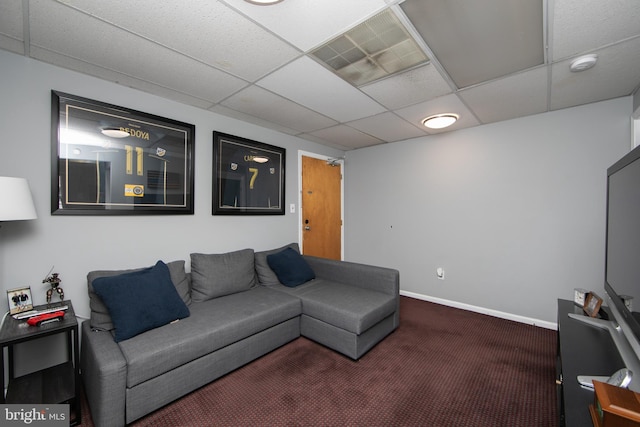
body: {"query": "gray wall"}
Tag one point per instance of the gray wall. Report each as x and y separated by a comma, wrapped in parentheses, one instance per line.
(78, 244)
(514, 211)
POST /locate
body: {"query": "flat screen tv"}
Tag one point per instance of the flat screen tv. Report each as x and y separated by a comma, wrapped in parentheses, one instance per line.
(622, 262)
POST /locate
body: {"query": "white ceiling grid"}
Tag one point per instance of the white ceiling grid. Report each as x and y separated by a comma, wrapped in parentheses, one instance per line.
(253, 62)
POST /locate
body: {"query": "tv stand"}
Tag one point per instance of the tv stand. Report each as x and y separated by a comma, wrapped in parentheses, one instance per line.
(582, 350)
(625, 350)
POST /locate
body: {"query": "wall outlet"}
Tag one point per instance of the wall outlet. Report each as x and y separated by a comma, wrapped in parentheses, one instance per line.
(440, 273)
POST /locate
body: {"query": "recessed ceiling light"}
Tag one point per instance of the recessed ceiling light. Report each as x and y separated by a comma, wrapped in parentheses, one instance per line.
(583, 63)
(115, 132)
(440, 121)
(263, 2)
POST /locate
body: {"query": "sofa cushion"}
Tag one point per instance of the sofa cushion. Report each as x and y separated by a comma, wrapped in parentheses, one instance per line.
(292, 270)
(213, 324)
(101, 319)
(180, 280)
(266, 275)
(140, 300)
(348, 307)
(215, 275)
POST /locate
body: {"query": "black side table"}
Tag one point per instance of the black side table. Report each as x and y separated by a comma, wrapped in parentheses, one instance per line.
(59, 384)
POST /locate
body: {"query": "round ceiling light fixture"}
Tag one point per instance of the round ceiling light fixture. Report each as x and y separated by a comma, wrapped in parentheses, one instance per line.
(583, 63)
(440, 121)
(263, 2)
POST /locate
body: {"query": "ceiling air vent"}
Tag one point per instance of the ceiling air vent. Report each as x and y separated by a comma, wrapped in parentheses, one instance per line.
(377, 48)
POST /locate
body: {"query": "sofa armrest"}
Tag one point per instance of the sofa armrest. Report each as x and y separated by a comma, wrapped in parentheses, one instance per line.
(104, 373)
(381, 279)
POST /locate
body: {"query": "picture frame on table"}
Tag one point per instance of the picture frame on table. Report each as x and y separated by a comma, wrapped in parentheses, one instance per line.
(248, 177)
(592, 304)
(19, 300)
(111, 160)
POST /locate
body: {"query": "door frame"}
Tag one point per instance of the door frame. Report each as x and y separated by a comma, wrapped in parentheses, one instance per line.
(338, 160)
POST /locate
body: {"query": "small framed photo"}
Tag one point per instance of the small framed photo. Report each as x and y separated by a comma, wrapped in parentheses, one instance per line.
(19, 300)
(579, 296)
(592, 304)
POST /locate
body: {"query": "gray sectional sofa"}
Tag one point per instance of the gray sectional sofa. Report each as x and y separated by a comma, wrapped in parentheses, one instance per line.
(237, 309)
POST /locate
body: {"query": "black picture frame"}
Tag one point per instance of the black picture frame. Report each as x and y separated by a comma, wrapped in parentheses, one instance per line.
(19, 300)
(248, 176)
(112, 160)
(592, 304)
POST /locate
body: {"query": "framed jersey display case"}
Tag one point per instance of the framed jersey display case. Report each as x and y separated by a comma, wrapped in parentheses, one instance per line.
(110, 160)
(248, 177)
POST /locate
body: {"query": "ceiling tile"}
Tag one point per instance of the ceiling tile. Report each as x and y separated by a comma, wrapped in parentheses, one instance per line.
(346, 136)
(259, 102)
(119, 78)
(445, 104)
(53, 25)
(417, 85)
(518, 95)
(308, 83)
(206, 30)
(578, 27)
(308, 23)
(387, 127)
(11, 26)
(477, 41)
(374, 49)
(617, 73)
(247, 118)
(321, 141)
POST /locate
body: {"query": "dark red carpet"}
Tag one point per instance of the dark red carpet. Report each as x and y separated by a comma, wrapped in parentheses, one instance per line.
(441, 367)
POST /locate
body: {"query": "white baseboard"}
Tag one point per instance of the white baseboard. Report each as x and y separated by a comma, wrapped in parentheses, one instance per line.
(494, 313)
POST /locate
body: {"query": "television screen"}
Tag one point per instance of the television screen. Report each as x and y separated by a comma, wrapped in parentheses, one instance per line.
(622, 269)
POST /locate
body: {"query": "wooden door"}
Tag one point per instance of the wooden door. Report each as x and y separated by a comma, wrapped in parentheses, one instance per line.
(321, 208)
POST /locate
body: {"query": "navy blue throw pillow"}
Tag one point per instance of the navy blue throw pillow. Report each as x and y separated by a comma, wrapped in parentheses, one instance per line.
(292, 270)
(141, 300)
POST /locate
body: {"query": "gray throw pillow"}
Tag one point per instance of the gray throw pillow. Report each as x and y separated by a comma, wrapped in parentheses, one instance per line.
(266, 276)
(100, 317)
(216, 275)
(180, 280)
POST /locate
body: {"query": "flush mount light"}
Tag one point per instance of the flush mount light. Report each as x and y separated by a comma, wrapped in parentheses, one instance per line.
(263, 2)
(114, 132)
(440, 121)
(583, 63)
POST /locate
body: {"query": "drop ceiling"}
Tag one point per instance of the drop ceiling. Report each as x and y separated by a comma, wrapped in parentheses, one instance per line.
(486, 60)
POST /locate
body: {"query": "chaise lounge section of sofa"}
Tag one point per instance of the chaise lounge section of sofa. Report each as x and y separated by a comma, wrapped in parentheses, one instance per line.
(238, 310)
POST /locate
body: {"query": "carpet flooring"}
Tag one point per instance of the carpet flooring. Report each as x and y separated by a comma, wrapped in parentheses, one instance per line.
(442, 367)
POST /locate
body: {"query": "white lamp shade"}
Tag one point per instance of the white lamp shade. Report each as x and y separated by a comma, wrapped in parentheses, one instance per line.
(15, 200)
